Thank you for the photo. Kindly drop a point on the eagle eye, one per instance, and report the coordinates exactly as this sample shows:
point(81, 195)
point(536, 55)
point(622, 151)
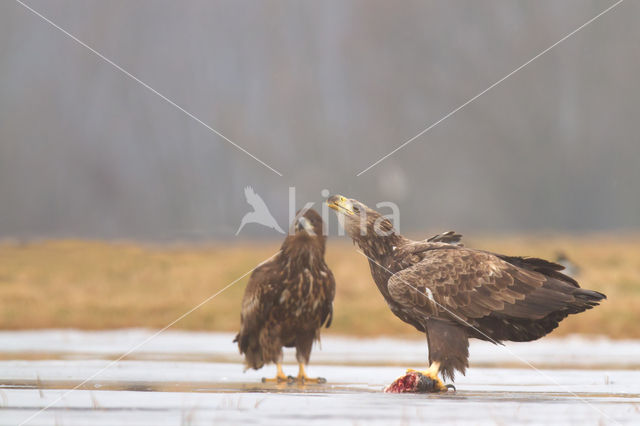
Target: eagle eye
point(356, 209)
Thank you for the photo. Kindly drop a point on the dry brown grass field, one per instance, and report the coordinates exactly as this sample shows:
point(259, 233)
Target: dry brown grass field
point(99, 285)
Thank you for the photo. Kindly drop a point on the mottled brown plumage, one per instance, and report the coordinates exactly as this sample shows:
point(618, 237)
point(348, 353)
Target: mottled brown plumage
point(453, 293)
point(289, 298)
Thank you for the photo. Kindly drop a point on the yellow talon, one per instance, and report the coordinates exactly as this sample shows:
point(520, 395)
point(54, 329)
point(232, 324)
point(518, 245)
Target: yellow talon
point(416, 381)
point(280, 376)
point(303, 378)
point(432, 373)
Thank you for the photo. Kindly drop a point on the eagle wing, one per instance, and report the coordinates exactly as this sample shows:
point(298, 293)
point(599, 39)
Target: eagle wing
point(261, 294)
point(330, 288)
point(463, 284)
point(449, 237)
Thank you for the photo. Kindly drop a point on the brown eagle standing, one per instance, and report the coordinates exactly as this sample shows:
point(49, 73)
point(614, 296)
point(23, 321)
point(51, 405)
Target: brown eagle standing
point(452, 293)
point(288, 299)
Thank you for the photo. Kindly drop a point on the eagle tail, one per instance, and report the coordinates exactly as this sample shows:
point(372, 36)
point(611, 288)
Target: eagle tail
point(249, 346)
point(585, 299)
point(501, 327)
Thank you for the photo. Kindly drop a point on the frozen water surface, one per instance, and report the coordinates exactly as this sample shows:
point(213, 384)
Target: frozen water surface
point(184, 378)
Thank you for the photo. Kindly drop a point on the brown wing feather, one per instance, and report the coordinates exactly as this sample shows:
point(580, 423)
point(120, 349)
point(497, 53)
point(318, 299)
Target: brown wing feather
point(461, 282)
point(329, 284)
point(467, 285)
point(449, 237)
point(261, 294)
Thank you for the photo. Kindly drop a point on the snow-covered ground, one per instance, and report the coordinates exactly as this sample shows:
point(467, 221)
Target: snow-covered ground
point(181, 378)
point(549, 352)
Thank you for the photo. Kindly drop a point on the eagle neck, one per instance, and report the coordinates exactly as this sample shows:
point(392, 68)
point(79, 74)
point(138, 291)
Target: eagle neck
point(378, 246)
point(298, 256)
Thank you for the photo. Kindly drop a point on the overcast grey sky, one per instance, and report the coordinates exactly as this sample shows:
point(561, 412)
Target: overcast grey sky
point(319, 91)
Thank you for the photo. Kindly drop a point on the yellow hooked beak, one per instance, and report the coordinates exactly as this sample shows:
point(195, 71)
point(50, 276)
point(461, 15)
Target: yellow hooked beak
point(341, 204)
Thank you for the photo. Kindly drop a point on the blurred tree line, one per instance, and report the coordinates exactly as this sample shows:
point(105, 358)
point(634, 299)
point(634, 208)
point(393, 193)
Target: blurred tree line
point(319, 91)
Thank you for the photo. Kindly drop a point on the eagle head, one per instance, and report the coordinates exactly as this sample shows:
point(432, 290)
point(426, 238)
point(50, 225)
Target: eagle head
point(360, 220)
point(305, 234)
point(307, 223)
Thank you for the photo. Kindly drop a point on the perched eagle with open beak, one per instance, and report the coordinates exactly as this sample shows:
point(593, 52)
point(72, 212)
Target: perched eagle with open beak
point(453, 293)
point(288, 299)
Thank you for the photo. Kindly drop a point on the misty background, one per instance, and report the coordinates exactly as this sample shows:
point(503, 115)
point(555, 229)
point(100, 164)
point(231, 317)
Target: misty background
point(318, 91)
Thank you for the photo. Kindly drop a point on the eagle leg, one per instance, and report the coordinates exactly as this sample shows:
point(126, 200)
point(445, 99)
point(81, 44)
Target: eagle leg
point(280, 376)
point(303, 378)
